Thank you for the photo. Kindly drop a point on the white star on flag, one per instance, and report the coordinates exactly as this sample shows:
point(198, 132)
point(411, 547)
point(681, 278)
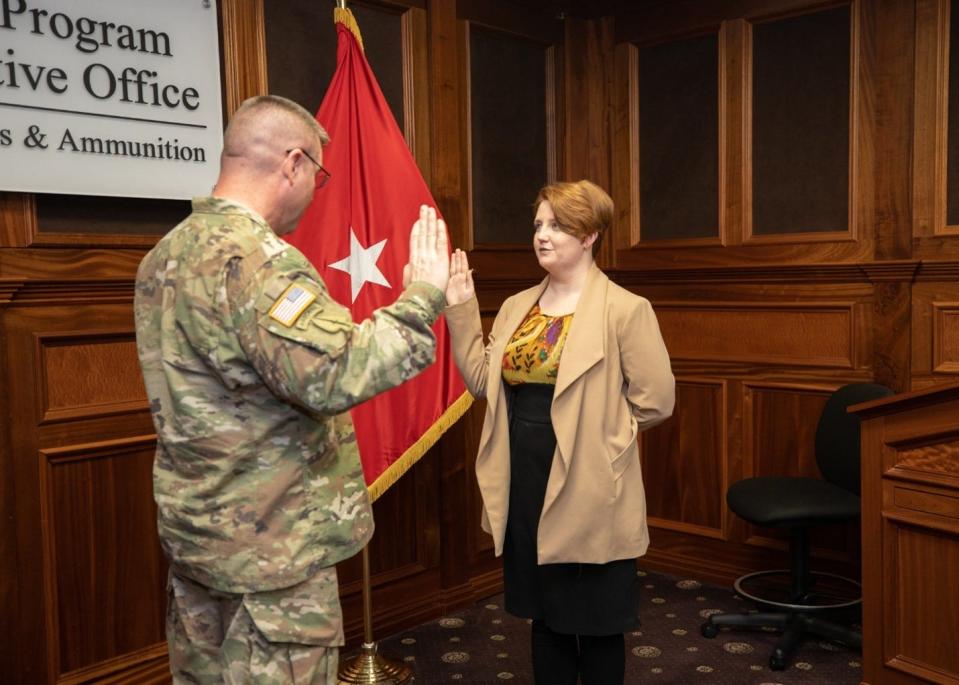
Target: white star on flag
point(361, 264)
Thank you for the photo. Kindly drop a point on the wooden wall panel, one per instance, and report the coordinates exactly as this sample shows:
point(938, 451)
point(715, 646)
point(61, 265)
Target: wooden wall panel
point(685, 461)
point(89, 576)
point(782, 333)
point(85, 375)
point(935, 326)
point(945, 337)
point(780, 428)
point(104, 574)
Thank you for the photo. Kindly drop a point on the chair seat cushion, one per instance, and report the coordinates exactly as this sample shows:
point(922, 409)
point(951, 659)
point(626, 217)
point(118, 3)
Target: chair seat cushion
point(787, 501)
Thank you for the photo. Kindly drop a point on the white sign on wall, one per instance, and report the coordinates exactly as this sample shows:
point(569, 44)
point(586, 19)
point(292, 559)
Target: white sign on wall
point(114, 97)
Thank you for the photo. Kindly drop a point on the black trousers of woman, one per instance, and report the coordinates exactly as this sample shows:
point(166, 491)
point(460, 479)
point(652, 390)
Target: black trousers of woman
point(561, 659)
point(579, 611)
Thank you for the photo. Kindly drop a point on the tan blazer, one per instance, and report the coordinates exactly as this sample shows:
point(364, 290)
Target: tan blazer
point(614, 380)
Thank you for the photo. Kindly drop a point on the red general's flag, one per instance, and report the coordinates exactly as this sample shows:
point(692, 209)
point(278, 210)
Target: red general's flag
point(356, 233)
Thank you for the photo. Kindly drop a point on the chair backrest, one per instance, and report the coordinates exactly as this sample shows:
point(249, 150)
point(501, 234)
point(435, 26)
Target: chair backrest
point(837, 435)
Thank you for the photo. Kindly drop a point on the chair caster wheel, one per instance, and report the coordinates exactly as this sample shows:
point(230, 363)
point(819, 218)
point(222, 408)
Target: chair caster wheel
point(777, 663)
point(709, 630)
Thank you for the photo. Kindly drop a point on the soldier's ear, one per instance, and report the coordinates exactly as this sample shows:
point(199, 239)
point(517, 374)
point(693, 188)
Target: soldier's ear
point(288, 167)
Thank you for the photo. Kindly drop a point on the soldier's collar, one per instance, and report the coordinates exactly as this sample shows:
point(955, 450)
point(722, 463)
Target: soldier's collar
point(223, 205)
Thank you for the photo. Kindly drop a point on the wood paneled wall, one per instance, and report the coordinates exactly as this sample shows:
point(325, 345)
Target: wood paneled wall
point(761, 327)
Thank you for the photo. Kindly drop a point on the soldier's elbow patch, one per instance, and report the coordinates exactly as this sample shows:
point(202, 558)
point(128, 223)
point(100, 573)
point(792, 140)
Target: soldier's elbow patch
point(291, 304)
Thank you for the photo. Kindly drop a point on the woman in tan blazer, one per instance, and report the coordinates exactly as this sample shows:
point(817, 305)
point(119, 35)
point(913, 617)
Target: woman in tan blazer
point(573, 369)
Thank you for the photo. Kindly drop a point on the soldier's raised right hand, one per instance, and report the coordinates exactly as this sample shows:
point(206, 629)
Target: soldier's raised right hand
point(429, 251)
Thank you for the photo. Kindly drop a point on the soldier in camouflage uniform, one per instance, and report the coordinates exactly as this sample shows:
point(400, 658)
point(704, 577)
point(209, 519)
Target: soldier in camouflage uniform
point(250, 368)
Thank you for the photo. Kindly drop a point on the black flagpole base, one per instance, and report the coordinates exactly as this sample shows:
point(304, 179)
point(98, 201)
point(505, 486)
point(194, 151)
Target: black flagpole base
point(368, 667)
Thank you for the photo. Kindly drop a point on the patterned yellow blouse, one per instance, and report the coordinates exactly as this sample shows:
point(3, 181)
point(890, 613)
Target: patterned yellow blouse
point(532, 354)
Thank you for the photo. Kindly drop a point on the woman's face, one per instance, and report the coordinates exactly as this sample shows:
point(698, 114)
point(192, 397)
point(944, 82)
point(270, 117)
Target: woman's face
point(556, 249)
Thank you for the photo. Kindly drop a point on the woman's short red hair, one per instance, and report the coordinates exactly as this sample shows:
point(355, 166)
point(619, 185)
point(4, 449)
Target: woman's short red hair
point(581, 207)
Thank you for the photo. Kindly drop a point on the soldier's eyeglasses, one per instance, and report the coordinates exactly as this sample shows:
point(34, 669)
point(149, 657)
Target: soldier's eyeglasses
point(322, 175)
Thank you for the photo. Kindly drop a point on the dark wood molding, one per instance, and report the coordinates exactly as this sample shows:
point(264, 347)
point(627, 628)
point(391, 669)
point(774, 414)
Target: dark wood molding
point(244, 51)
point(735, 158)
point(416, 97)
point(854, 272)
point(508, 17)
point(150, 665)
point(449, 160)
point(624, 148)
point(666, 21)
point(887, 73)
point(938, 271)
point(9, 287)
point(18, 219)
point(75, 263)
point(930, 124)
point(91, 240)
point(901, 271)
point(58, 292)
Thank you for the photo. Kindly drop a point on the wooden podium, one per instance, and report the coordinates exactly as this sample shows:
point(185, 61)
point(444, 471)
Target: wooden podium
point(910, 537)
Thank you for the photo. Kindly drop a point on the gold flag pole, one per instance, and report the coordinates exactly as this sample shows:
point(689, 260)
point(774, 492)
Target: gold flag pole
point(368, 666)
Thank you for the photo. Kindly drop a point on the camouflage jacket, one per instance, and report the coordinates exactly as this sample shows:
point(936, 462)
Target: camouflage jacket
point(250, 367)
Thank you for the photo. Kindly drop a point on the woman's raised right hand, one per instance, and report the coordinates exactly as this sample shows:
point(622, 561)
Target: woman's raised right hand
point(460, 287)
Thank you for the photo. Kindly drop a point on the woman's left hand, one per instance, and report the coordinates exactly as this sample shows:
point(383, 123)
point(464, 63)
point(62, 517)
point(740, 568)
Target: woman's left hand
point(460, 287)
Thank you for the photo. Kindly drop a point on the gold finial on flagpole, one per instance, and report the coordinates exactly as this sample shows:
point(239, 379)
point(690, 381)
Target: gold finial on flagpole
point(343, 15)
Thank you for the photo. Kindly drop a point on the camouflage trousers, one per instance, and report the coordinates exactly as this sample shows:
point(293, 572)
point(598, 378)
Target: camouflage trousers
point(280, 637)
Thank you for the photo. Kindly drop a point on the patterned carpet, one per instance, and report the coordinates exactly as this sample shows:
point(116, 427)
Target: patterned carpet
point(483, 645)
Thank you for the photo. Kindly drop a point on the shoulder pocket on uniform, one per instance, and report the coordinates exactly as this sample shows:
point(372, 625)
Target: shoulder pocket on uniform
point(323, 324)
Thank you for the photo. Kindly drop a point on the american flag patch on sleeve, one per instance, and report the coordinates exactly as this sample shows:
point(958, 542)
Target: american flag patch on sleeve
point(290, 305)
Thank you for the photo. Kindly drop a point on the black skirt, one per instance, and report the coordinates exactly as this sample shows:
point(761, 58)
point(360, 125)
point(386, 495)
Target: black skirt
point(581, 599)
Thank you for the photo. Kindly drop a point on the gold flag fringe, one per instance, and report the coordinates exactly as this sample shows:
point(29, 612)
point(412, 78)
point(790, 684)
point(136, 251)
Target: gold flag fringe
point(418, 448)
point(345, 17)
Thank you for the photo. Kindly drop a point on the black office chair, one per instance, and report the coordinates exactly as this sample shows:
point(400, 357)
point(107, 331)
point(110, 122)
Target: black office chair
point(798, 504)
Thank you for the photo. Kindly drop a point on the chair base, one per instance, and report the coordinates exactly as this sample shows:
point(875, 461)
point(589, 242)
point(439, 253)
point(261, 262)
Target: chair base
point(794, 625)
point(796, 618)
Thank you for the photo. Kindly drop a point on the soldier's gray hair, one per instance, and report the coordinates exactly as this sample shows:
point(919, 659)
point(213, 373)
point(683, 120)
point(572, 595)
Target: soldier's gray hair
point(270, 116)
